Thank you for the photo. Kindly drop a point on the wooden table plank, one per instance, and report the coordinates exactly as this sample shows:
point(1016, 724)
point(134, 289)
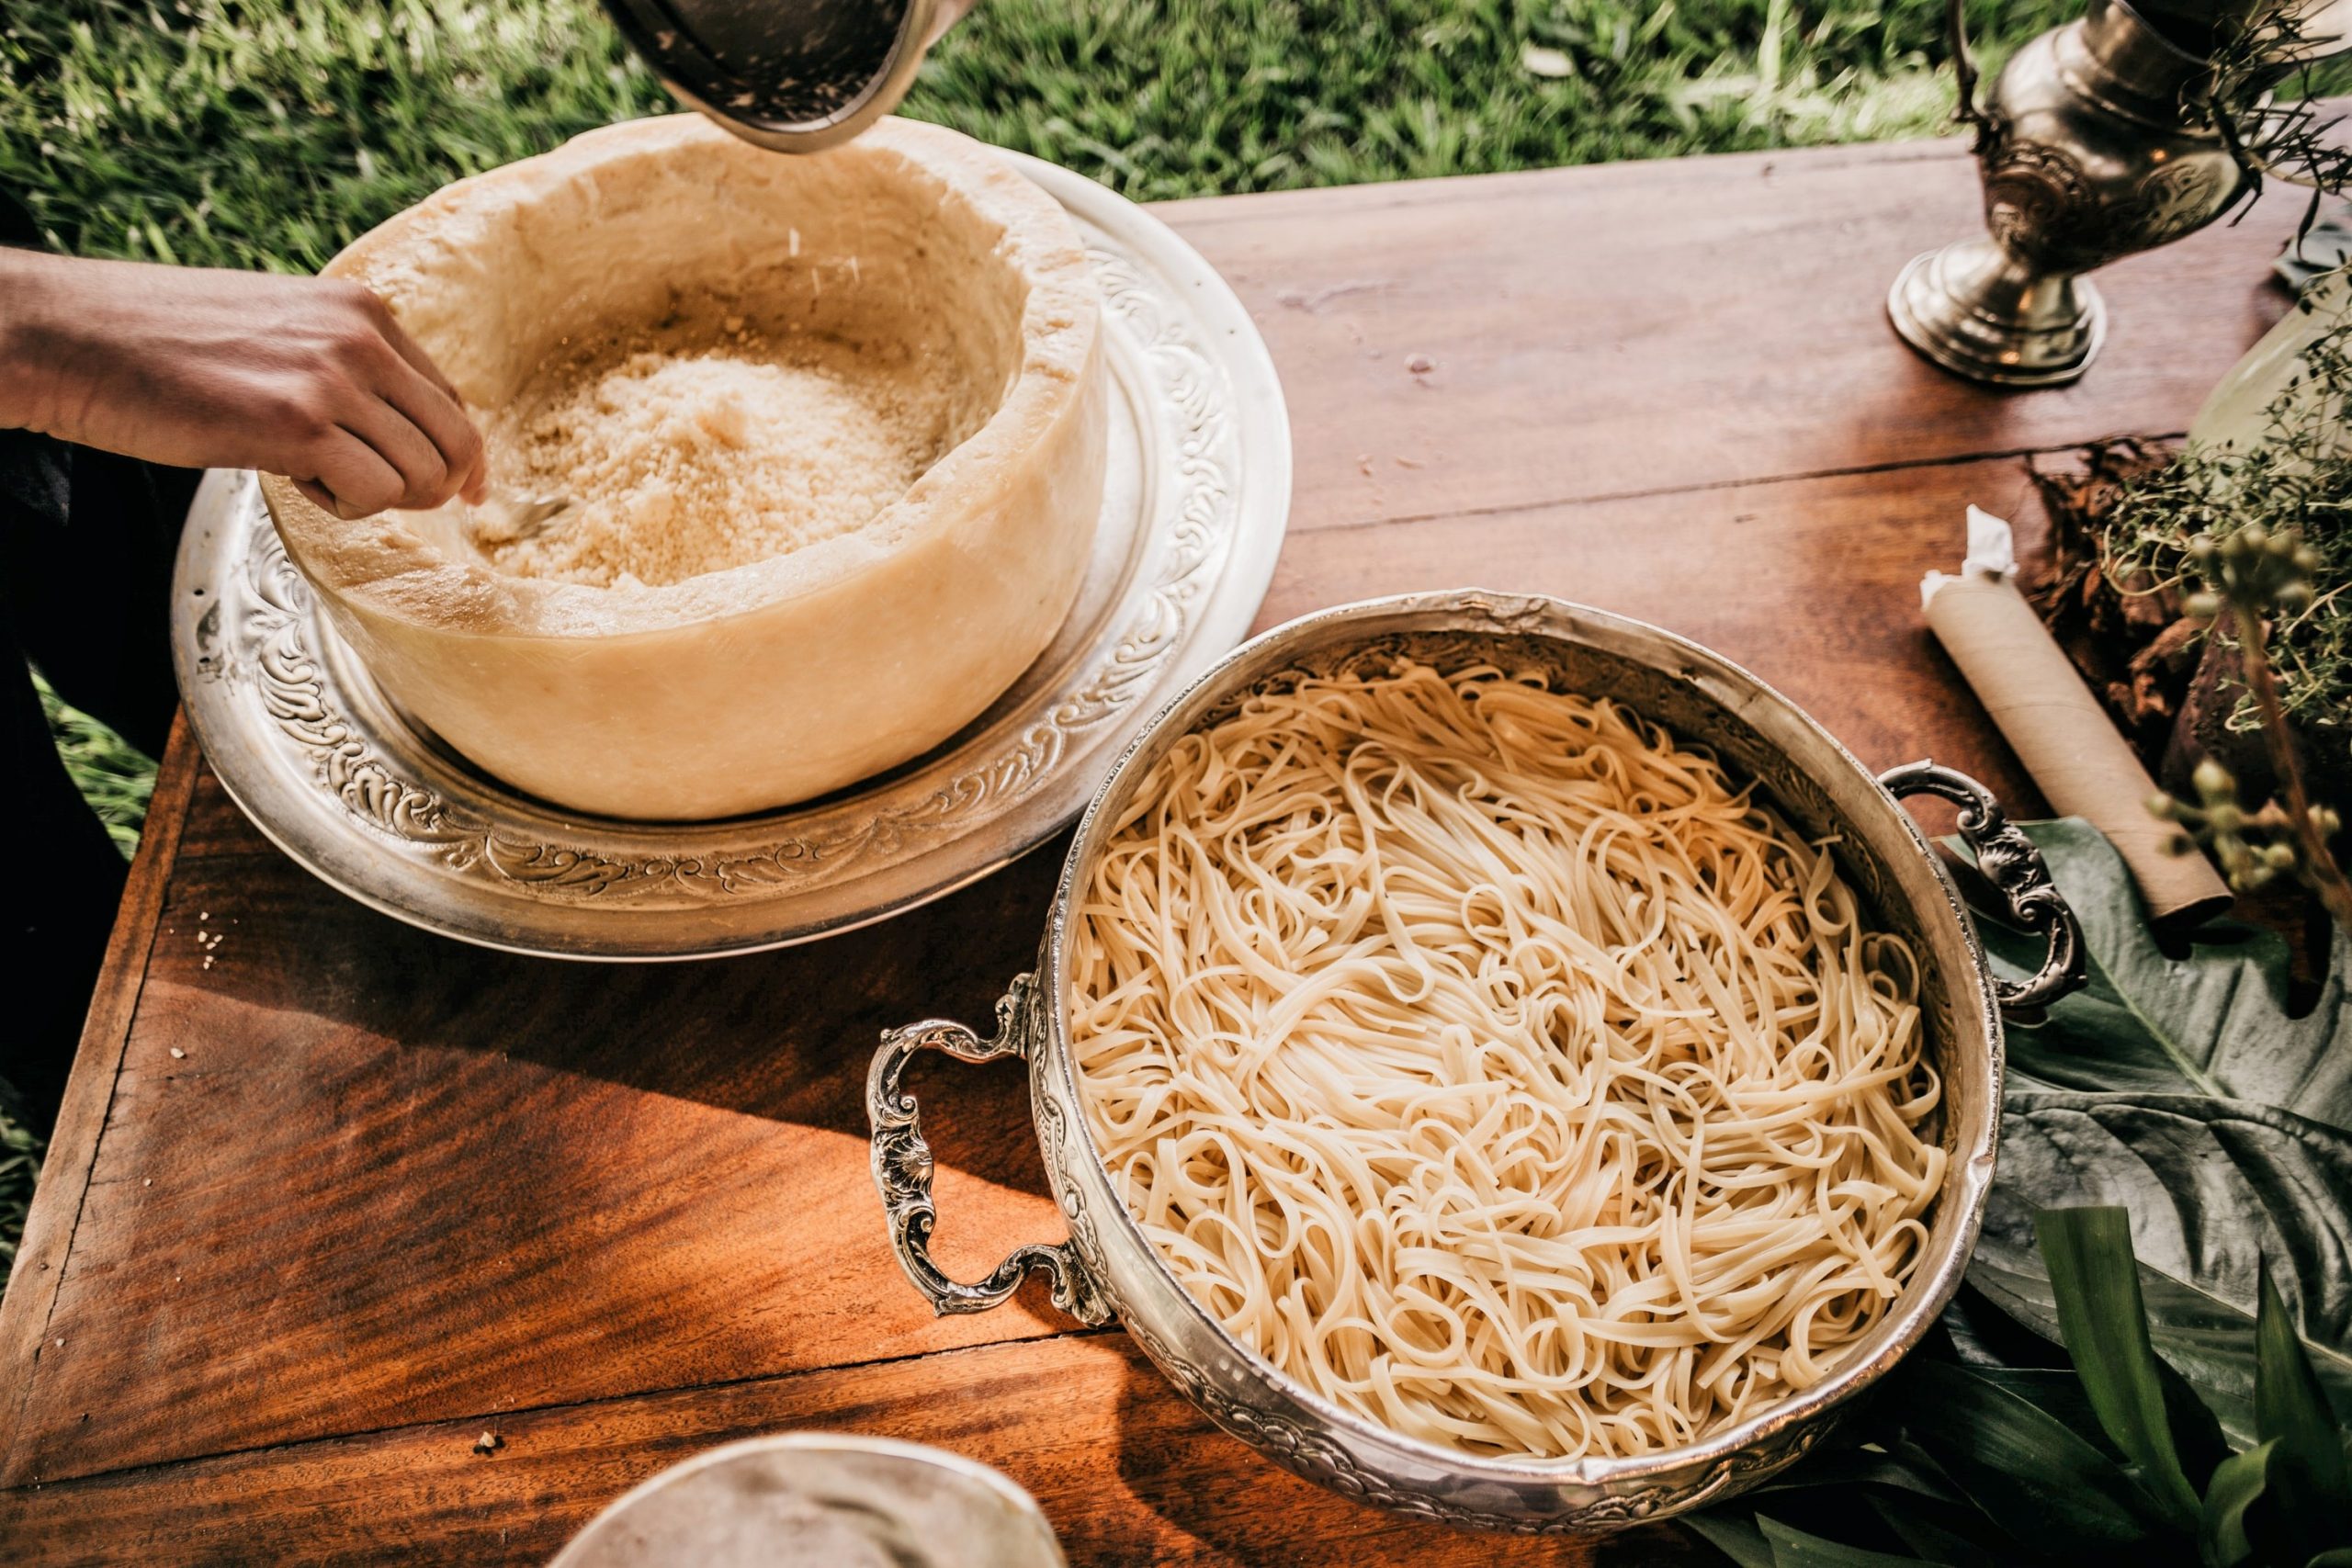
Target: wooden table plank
point(599, 1174)
point(1813, 584)
point(1127, 1471)
point(400, 1188)
point(394, 1178)
point(1647, 326)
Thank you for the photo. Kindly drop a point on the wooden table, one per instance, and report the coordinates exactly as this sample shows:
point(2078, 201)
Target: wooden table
point(330, 1199)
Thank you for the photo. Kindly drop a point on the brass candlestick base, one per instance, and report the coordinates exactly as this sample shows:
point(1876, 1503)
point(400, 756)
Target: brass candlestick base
point(1980, 313)
point(2090, 147)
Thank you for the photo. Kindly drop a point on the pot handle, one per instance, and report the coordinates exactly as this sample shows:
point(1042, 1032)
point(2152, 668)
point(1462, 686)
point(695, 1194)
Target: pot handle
point(903, 1168)
point(2011, 864)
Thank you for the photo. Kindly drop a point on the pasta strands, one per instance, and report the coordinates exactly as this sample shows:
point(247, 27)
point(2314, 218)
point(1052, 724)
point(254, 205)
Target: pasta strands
point(1491, 1065)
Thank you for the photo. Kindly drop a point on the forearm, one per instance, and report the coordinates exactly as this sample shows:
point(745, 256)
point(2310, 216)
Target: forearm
point(202, 368)
point(35, 350)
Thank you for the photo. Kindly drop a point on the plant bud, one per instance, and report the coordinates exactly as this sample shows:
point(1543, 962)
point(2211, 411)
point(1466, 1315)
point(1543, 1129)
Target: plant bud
point(2295, 596)
point(2252, 538)
point(2201, 606)
point(2213, 781)
point(2278, 857)
point(2224, 817)
point(2200, 549)
point(2177, 845)
point(2163, 808)
point(2285, 543)
point(2306, 560)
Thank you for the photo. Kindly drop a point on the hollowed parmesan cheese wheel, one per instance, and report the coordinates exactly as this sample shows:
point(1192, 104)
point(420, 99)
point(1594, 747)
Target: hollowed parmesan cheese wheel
point(833, 429)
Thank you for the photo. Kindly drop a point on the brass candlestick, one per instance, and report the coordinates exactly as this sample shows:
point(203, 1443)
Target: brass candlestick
point(2091, 148)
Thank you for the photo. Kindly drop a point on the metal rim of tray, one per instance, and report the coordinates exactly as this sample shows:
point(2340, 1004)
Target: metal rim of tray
point(336, 776)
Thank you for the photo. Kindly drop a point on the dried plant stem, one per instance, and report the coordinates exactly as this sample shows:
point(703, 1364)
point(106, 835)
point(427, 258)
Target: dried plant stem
point(2324, 876)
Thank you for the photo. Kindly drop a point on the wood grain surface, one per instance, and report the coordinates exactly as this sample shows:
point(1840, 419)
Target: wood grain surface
point(1126, 1469)
point(332, 1196)
point(1473, 346)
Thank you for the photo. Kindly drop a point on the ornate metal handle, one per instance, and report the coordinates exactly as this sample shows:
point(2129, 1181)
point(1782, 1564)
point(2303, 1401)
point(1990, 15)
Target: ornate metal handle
point(903, 1168)
point(1965, 109)
point(2011, 864)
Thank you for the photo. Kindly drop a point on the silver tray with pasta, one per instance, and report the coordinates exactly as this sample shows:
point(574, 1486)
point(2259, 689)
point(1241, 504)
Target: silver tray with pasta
point(1196, 496)
point(1503, 1062)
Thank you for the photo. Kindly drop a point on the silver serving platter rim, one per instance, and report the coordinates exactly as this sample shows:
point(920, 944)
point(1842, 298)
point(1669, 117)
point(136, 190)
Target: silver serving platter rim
point(357, 794)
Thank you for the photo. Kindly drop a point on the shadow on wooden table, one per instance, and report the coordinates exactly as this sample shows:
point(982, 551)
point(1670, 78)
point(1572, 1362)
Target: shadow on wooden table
point(431, 1181)
point(386, 1013)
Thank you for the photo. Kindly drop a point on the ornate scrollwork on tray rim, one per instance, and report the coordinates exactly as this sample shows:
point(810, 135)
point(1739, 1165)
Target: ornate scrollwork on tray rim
point(277, 645)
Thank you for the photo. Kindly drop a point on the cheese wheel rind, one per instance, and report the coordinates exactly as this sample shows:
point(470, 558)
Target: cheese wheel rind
point(767, 683)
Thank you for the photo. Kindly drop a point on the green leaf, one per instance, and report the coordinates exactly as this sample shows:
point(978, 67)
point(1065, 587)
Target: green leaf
point(2056, 1392)
point(1843, 1467)
point(2290, 1408)
point(2196, 1433)
point(1982, 1335)
point(1794, 1549)
point(2024, 1467)
point(2088, 1254)
point(2214, 1023)
point(2215, 1189)
point(2213, 1186)
point(2240, 1480)
point(2196, 1430)
point(1934, 1541)
point(1736, 1538)
point(2307, 1504)
point(2145, 1093)
point(2207, 1339)
point(2147, 1090)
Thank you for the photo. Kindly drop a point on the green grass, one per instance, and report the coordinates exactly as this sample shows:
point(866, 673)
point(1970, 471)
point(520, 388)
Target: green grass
point(116, 779)
point(266, 133)
point(19, 1164)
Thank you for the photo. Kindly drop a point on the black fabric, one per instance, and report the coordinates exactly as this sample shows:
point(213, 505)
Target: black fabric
point(17, 226)
point(35, 474)
point(86, 541)
point(89, 599)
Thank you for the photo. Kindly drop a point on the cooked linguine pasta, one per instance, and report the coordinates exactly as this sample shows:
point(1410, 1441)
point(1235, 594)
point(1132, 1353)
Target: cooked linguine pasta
point(1494, 1068)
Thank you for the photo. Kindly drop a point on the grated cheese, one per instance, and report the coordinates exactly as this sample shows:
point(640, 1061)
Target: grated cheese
point(688, 452)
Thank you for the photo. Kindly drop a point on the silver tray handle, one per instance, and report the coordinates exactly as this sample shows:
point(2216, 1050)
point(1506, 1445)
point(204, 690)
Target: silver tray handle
point(2012, 864)
point(903, 1168)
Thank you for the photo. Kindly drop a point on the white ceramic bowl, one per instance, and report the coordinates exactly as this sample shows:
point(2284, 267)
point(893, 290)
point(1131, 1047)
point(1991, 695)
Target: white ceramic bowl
point(820, 1500)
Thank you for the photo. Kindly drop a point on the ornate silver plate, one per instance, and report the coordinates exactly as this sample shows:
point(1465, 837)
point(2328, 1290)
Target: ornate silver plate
point(1194, 513)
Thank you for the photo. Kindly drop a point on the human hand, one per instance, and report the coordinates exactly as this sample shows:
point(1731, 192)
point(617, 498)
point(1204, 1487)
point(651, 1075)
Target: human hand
point(308, 378)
